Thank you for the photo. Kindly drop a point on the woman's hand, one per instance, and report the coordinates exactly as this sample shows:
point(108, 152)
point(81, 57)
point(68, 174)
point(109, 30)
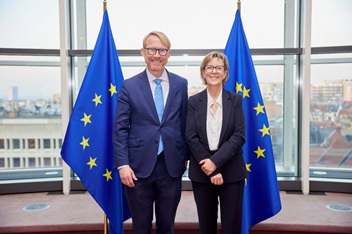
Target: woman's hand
point(217, 179)
point(208, 167)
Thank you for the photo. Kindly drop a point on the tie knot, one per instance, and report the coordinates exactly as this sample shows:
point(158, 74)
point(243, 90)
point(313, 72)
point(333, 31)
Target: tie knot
point(157, 81)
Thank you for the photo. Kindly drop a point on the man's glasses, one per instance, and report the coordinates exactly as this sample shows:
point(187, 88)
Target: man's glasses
point(152, 51)
point(210, 68)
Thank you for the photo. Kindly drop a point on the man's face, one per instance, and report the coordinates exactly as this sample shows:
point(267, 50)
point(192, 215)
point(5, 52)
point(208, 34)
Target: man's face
point(155, 63)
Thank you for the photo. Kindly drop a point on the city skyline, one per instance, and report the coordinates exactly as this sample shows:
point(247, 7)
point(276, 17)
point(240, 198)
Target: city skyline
point(199, 85)
point(327, 93)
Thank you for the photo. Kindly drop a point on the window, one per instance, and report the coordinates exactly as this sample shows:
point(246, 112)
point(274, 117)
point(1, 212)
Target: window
point(268, 23)
point(2, 144)
point(15, 143)
point(47, 162)
point(330, 116)
point(46, 143)
point(16, 162)
point(31, 143)
point(23, 15)
point(331, 30)
point(31, 162)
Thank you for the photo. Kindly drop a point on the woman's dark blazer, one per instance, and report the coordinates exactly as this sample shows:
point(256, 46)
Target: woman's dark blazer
point(228, 158)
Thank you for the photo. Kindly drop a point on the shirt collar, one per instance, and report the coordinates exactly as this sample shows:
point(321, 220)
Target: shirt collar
point(218, 100)
point(163, 77)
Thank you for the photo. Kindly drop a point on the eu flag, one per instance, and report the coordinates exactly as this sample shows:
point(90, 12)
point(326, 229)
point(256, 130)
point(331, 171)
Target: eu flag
point(88, 146)
point(261, 193)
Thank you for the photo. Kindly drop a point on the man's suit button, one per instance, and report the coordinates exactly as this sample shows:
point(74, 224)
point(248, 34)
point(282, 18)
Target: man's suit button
point(156, 142)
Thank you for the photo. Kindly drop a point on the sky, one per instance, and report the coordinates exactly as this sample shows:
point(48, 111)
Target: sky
point(190, 24)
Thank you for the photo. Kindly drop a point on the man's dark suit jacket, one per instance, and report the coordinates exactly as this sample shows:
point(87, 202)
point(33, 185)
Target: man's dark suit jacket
point(228, 158)
point(137, 127)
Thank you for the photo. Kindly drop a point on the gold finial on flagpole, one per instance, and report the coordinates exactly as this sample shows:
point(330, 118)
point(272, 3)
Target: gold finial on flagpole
point(239, 5)
point(105, 5)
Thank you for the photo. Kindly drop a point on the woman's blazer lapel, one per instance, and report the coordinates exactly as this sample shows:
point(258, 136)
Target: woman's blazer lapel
point(226, 113)
point(202, 114)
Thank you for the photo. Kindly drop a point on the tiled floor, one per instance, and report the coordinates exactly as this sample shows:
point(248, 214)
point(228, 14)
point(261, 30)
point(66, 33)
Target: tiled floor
point(299, 212)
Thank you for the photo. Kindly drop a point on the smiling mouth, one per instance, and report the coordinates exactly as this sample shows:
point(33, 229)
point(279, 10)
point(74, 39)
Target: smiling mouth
point(156, 62)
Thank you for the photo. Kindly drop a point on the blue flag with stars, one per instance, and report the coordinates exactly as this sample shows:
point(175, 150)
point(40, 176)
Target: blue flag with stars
point(261, 194)
point(88, 146)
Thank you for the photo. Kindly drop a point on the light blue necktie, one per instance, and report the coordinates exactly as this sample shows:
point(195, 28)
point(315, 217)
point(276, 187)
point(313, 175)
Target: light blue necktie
point(159, 104)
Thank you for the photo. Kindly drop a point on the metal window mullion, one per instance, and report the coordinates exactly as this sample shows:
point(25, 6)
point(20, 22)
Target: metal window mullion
point(65, 82)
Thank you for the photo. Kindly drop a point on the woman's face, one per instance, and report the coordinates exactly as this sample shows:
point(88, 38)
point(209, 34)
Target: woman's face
point(214, 72)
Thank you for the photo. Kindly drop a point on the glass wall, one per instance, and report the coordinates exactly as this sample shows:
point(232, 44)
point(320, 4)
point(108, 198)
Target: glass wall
point(30, 117)
point(331, 116)
point(29, 24)
point(30, 91)
point(331, 90)
point(330, 23)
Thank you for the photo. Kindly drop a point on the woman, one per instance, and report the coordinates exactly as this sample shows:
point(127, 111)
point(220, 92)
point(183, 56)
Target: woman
point(215, 130)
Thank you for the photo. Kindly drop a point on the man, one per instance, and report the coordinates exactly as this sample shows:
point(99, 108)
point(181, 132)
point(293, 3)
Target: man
point(149, 139)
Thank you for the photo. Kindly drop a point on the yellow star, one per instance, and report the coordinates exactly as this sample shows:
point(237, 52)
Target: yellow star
point(84, 142)
point(97, 99)
point(112, 89)
point(92, 163)
point(245, 92)
point(248, 167)
point(259, 108)
point(238, 87)
point(260, 152)
point(86, 119)
point(264, 130)
point(108, 175)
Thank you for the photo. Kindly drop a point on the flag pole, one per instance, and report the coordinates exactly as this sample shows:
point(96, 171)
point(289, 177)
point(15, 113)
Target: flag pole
point(239, 5)
point(105, 224)
point(105, 217)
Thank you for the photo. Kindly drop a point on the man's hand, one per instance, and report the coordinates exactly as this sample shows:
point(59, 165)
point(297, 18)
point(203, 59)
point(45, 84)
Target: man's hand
point(208, 166)
point(217, 179)
point(127, 176)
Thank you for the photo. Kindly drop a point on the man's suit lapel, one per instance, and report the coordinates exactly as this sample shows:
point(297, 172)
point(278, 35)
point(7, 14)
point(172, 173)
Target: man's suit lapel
point(171, 96)
point(148, 95)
